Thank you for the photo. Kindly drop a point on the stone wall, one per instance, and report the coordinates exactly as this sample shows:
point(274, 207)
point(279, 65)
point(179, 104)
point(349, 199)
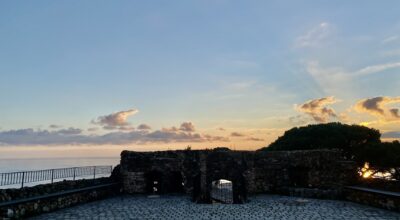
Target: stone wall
point(27, 207)
point(251, 172)
point(385, 200)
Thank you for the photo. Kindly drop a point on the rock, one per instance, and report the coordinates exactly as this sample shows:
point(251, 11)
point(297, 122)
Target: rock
point(10, 213)
point(22, 212)
point(46, 209)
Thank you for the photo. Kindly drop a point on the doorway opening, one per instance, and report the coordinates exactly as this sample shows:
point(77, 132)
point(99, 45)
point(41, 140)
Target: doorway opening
point(222, 191)
point(176, 184)
point(153, 182)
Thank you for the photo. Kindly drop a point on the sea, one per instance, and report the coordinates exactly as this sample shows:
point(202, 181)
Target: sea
point(28, 164)
point(32, 164)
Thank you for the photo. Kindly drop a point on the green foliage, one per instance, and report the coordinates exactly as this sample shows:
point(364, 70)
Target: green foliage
point(382, 157)
point(358, 142)
point(325, 136)
point(221, 149)
point(380, 154)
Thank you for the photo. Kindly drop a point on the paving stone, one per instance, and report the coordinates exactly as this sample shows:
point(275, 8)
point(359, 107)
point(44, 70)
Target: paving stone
point(180, 207)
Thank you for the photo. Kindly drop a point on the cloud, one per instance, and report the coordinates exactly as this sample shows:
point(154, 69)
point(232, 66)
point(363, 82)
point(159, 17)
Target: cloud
point(171, 129)
point(377, 107)
point(376, 68)
point(30, 136)
point(391, 134)
point(298, 120)
point(92, 129)
point(187, 127)
point(237, 134)
point(317, 109)
point(315, 36)
point(331, 79)
point(74, 136)
point(391, 39)
point(395, 112)
point(144, 127)
point(179, 136)
point(314, 69)
point(116, 121)
point(69, 131)
point(55, 126)
point(254, 139)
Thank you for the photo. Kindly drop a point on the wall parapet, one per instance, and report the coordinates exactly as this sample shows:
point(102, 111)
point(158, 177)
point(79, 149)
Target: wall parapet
point(29, 201)
point(373, 197)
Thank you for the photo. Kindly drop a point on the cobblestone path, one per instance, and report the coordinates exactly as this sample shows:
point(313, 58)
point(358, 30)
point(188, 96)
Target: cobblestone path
point(180, 207)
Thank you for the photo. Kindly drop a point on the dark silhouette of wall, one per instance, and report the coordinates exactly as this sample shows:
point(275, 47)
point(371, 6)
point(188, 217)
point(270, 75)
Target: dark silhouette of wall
point(251, 172)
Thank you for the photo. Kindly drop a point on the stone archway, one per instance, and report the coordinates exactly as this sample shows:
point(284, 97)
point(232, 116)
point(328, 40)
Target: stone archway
point(222, 164)
point(175, 182)
point(222, 191)
point(154, 182)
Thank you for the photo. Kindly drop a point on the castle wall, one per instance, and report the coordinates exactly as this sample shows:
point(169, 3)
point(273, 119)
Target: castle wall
point(251, 172)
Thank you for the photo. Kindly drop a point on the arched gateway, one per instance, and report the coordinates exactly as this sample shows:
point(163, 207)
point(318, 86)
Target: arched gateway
point(226, 176)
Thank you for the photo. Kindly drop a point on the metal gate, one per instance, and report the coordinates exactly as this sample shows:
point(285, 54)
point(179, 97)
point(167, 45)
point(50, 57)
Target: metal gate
point(221, 191)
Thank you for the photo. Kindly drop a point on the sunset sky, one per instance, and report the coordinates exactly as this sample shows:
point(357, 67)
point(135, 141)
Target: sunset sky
point(90, 78)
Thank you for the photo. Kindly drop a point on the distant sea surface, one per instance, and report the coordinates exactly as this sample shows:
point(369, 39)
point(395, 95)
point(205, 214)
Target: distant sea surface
point(12, 165)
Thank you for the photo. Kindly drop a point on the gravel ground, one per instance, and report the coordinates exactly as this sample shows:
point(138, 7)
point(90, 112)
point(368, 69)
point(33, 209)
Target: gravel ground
point(180, 207)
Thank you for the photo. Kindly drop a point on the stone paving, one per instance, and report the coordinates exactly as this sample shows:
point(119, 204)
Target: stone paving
point(180, 207)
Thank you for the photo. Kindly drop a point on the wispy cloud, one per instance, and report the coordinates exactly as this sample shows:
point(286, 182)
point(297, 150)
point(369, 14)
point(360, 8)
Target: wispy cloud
point(298, 120)
point(315, 36)
point(391, 39)
point(330, 79)
point(237, 134)
point(70, 131)
point(255, 139)
point(376, 68)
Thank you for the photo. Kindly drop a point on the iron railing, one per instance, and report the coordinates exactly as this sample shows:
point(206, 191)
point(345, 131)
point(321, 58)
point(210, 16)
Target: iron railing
point(23, 177)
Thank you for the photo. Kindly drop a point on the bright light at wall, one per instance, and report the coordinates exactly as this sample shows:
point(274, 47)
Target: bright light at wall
point(365, 171)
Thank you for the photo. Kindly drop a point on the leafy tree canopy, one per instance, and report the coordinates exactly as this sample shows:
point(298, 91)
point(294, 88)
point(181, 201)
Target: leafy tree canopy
point(360, 143)
point(325, 136)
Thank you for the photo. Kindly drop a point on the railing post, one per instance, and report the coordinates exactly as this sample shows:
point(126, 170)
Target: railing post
point(74, 172)
point(52, 175)
point(23, 178)
point(94, 172)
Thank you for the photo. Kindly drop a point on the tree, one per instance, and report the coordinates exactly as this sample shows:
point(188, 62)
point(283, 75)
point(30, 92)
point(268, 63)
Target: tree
point(358, 142)
point(326, 136)
point(382, 157)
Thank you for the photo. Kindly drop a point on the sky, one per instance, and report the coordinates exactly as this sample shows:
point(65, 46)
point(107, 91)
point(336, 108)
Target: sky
point(91, 78)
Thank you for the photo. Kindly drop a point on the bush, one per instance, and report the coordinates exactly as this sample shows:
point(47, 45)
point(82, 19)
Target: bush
point(326, 136)
point(358, 142)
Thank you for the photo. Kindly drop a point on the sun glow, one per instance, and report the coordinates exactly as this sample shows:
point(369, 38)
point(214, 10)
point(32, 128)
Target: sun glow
point(365, 171)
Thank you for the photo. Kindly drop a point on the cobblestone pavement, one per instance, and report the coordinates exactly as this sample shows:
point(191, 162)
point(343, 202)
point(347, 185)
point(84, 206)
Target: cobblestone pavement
point(180, 207)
